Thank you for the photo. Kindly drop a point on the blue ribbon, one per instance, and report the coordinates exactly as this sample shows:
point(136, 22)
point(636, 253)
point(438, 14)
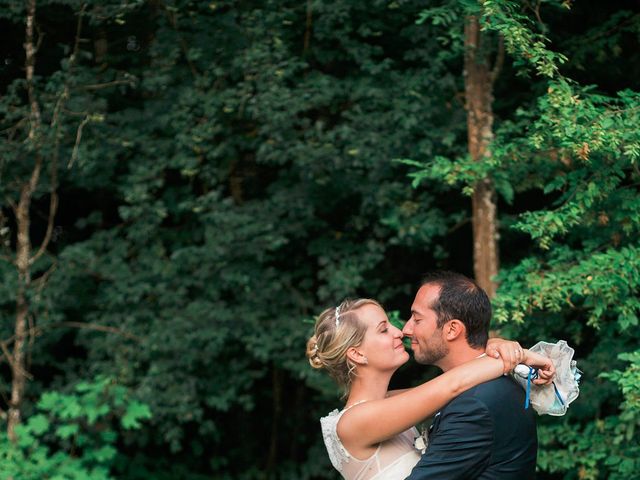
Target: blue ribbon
point(557, 393)
point(532, 375)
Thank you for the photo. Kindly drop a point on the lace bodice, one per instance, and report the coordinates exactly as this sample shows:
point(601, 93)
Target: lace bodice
point(393, 460)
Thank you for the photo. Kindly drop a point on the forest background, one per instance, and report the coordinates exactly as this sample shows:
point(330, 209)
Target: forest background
point(185, 184)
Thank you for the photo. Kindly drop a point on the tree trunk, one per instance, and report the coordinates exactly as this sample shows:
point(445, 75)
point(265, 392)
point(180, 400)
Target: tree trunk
point(479, 78)
point(23, 241)
point(18, 364)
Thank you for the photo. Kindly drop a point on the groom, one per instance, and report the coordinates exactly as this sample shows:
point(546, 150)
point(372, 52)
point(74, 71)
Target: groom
point(484, 433)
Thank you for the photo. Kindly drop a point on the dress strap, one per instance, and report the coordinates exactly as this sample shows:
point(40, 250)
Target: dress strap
point(337, 453)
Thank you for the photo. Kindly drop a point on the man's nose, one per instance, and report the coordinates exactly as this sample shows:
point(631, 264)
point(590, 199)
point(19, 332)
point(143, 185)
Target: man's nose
point(407, 330)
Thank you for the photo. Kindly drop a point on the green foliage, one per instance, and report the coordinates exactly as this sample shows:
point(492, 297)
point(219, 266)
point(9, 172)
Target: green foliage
point(528, 47)
point(603, 284)
point(608, 446)
point(576, 148)
point(72, 436)
point(242, 181)
point(235, 174)
point(629, 382)
point(446, 20)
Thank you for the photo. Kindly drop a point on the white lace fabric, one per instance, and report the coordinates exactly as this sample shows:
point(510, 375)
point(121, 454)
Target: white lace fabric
point(554, 399)
point(393, 459)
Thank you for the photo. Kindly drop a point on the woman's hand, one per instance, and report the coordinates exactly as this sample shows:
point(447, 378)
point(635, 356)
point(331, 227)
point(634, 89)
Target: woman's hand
point(510, 352)
point(546, 368)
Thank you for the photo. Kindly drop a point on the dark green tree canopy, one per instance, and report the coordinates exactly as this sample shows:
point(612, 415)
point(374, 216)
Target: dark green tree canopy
point(223, 171)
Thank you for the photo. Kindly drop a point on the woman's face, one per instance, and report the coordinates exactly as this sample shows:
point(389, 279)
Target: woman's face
point(382, 344)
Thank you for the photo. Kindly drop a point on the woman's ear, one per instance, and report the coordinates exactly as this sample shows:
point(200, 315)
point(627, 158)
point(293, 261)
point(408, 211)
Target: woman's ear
point(356, 356)
point(453, 329)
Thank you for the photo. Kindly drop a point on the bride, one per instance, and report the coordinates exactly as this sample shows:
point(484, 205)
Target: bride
point(372, 437)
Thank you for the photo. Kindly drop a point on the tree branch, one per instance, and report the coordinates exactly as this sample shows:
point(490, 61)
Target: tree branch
point(11, 362)
point(53, 208)
point(74, 154)
point(499, 62)
point(72, 61)
point(100, 86)
point(11, 131)
point(41, 281)
point(458, 225)
point(38, 330)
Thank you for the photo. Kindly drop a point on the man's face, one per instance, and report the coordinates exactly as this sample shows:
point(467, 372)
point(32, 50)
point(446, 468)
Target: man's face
point(427, 342)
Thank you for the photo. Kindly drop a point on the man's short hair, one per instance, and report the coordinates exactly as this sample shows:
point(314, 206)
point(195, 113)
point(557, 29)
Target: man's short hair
point(462, 298)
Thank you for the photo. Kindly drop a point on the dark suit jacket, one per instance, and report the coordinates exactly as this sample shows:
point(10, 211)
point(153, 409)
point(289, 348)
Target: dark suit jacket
point(485, 433)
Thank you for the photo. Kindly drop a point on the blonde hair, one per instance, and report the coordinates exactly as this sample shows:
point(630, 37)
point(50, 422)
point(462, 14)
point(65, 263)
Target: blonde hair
point(337, 330)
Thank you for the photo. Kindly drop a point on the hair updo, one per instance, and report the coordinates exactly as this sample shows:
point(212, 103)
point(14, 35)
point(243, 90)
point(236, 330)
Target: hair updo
point(337, 330)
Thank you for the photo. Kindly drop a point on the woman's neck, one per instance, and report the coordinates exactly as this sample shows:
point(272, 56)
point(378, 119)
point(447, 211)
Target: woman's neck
point(368, 388)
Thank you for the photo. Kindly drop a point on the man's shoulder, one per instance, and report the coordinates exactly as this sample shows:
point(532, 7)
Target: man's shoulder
point(492, 393)
point(497, 385)
point(496, 404)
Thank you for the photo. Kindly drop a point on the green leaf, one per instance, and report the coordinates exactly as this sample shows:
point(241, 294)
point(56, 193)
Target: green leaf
point(66, 431)
point(38, 424)
point(136, 411)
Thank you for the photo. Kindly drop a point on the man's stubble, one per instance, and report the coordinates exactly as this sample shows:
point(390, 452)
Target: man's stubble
point(434, 350)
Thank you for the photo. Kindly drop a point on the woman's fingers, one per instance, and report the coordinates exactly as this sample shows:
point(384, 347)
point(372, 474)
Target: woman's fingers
point(543, 381)
point(546, 375)
point(546, 368)
point(511, 354)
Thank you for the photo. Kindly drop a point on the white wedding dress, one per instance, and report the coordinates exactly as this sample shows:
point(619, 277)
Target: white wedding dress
point(393, 460)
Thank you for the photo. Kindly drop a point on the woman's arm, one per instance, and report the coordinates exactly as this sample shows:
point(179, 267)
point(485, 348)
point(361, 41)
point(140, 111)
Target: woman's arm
point(546, 369)
point(391, 393)
point(509, 351)
point(374, 421)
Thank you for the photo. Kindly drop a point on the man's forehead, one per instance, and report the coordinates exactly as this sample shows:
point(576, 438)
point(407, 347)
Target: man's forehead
point(425, 297)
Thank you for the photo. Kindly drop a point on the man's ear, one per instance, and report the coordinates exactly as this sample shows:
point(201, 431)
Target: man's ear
point(453, 330)
point(356, 356)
